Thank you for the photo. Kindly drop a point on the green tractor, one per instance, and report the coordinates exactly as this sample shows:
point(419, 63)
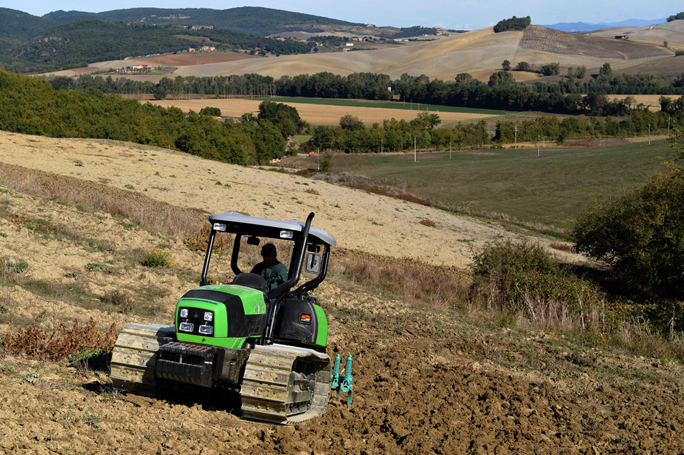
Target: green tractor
point(267, 341)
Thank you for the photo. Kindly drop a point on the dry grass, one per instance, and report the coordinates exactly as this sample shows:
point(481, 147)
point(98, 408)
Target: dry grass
point(64, 342)
point(414, 281)
point(146, 212)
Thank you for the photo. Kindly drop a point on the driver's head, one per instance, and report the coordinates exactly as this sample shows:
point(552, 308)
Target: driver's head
point(268, 252)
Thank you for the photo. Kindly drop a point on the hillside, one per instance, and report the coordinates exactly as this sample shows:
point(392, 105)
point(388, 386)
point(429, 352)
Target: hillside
point(479, 53)
point(17, 26)
point(249, 20)
point(672, 32)
point(427, 377)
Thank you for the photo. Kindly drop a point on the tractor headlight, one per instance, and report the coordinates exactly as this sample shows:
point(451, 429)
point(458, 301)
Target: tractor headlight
point(187, 327)
point(208, 316)
point(184, 312)
point(206, 330)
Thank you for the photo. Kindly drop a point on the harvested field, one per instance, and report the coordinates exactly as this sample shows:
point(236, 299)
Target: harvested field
point(193, 58)
point(554, 41)
point(314, 113)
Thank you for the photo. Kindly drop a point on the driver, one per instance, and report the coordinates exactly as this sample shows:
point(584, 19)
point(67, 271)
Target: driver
point(270, 268)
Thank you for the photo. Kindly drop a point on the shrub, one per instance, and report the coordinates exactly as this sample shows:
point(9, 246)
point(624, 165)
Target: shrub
point(327, 161)
point(521, 278)
point(59, 344)
point(640, 234)
point(157, 258)
point(200, 240)
point(428, 222)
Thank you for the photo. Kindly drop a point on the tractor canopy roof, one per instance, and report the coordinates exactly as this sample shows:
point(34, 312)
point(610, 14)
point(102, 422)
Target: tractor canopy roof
point(265, 227)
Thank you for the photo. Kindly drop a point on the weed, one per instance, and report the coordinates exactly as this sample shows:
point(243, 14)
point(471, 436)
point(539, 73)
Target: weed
point(157, 258)
point(199, 241)
point(427, 222)
point(65, 415)
point(95, 267)
point(78, 163)
point(561, 246)
point(313, 191)
point(61, 343)
point(119, 299)
point(218, 183)
point(11, 266)
point(128, 186)
point(89, 418)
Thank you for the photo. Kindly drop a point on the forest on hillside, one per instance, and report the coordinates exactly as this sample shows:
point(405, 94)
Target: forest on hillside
point(76, 44)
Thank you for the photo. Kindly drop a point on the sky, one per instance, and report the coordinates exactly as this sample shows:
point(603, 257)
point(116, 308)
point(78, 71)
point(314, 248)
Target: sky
point(452, 14)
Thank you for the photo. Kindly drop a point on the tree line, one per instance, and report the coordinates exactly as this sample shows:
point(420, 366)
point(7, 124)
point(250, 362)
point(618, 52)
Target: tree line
point(32, 106)
point(501, 92)
point(352, 136)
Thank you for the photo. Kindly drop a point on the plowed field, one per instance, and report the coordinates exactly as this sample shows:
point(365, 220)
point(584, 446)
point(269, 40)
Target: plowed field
point(427, 379)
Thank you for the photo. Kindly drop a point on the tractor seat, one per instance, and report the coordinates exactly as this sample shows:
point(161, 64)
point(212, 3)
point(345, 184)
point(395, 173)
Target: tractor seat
point(251, 280)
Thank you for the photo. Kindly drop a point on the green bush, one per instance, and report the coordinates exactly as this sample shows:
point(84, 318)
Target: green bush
point(640, 234)
point(157, 258)
point(522, 278)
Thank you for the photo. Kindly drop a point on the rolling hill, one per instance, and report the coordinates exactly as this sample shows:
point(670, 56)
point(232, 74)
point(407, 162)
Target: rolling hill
point(479, 53)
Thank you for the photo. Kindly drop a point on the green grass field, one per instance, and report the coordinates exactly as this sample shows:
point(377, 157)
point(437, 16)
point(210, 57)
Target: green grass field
point(550, 189)
point(383, 105)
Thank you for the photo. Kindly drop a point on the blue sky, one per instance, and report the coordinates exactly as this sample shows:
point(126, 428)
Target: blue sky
point(459, 14)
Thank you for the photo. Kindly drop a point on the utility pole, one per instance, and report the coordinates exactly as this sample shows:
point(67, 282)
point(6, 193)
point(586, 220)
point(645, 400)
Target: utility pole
point(415, 159)
point(449, 150)
point(516, 137)
point(649, 134)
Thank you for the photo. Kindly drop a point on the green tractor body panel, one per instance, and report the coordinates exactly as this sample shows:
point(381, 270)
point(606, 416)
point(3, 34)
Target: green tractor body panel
point(322, 335)
point(220, 315)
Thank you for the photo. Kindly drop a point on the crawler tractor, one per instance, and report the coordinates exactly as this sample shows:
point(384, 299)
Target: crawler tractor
point(266, 341)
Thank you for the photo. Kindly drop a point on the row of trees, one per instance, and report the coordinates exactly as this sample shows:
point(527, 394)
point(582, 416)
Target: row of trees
point(32, 106)
point(352, 136)
point(502, 92)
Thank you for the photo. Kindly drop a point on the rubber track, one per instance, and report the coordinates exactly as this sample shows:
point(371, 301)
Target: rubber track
point(268, 384)
point(134, 357)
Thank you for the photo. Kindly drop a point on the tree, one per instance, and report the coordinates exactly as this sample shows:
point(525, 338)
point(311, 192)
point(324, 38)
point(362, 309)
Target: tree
point(213, 111)
point(506, 65)
point(571, 72)
point(463, 77)
point(581, 72)
point(606, 71)
point(501, 78)
point(351, 122)
point(523, 66)
point(551, 69)
point(514, 23)
point(665, 44)
point(641, 234)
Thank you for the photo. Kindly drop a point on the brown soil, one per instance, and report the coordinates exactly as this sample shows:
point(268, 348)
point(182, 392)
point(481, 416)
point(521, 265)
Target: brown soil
point(425, 380)
point(194, 58)
point(547, 40)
